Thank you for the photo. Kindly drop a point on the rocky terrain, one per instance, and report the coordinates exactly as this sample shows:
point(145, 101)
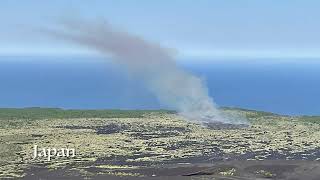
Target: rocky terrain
point(157, 145)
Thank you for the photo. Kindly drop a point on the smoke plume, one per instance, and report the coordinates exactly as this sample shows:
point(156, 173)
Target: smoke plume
point(149, 62)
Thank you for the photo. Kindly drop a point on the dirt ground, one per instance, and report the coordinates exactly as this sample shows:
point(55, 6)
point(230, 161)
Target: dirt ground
point(233, 170)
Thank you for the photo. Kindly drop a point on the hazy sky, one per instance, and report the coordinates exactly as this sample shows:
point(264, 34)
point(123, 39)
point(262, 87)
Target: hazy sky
point(202, 28)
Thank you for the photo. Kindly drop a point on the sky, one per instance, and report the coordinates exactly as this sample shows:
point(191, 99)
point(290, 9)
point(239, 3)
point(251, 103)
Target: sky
point(203, 28)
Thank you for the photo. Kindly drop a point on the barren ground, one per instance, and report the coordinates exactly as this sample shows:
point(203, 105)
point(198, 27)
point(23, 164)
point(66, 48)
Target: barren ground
point(158, 145)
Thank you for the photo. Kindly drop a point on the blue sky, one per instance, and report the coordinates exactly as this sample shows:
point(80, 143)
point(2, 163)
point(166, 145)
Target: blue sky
point(203, 28)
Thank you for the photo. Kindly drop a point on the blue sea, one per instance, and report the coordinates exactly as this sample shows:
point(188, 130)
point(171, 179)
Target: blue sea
point(290, 87)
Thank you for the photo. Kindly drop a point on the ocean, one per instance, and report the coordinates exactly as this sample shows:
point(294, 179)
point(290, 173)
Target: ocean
point(91, 83)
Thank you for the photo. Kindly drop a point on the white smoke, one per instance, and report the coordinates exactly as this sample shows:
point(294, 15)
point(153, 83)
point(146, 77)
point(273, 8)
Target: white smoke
point(150, 62)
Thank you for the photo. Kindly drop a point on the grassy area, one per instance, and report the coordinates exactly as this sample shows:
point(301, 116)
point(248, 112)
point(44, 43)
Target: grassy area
point(250, 113)
point(310, 119)
point(56, 113)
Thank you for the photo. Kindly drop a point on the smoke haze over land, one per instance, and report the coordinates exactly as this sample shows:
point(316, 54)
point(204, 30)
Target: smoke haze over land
point(150, 62)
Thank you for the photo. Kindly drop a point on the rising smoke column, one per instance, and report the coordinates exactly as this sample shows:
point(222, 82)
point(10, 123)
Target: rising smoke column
point(150, 62)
